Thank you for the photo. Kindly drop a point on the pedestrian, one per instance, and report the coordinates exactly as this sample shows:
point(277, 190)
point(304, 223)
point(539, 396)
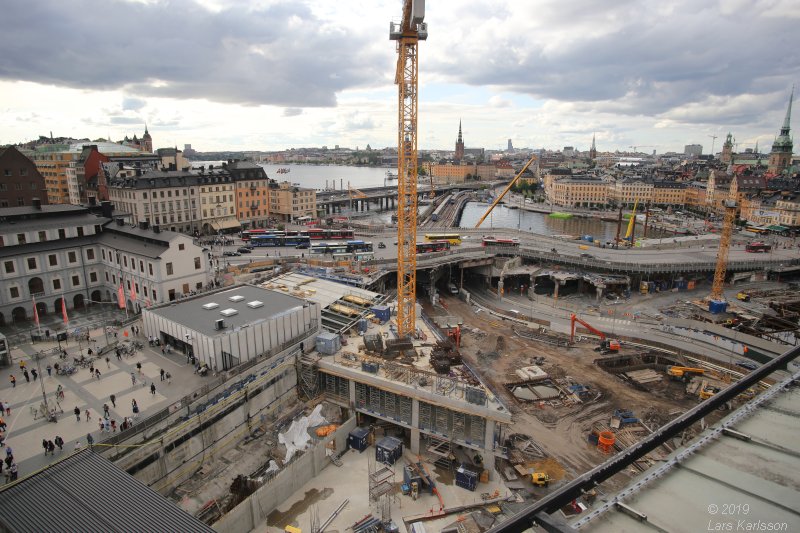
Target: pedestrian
point(88, 415)
point(102, 425)
point(89, 439)
point(78, 445)
point(77, 413)
point(35, 374)
point(13, 381)
point(135, 410)
point(27, 376)
point(163, 351)
point(13, 472)
point(169, 378)
point(119, 354)
point(60, 392)
point(106, 425)
point(133, 379)
point(113, 426)
point(105, 409)
point(21, 365)
point(162, 374)
point(49, 370)
point(2, 424)
point(108, 362)
point(89, 352)
point(44, 445)
point(60, 443)
point(113, 400)
point(51, 447)
point(97, 373)
point(139, 368)
point(124, 425)
point(153, 389)
point(91, 370)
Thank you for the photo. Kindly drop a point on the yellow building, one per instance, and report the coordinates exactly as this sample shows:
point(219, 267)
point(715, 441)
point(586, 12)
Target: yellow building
point(217, 201)
point(629, 191)
point(445, 174)
point(578, 191)
point(696, 194)
point(288, 202)
point(789, 212)
point(668, 193)
point(252, 186)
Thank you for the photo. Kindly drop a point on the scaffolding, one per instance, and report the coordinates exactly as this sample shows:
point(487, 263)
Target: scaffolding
point(381, 485)
point(307, 375)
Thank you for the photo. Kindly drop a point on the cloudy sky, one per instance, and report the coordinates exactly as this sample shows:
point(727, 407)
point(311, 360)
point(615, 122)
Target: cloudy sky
point(269, 75)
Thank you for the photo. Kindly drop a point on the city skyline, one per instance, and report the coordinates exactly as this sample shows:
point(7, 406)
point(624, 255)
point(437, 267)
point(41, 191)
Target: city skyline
point(277, 75)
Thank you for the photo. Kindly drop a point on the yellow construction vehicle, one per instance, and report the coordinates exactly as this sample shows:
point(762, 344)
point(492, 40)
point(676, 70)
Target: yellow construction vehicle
point(684, 373)
point(743, 296)
point(708, 392)
point(540, 479)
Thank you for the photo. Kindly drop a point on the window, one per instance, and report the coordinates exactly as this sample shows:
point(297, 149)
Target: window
point(62, 234)
point(42, 236)
point(93, 277)
point(155, 295)
point(125, 261)
point(141, 266)
point(80, 231)
point(71, 257)
point(106, 276)
point(23, 172)
point(98, 229)
point(75, 281)
point(169, 269)
point(21, 238)
point(197, 263)
point(14, 291)
point(9, 267)
point(144, 195)
point(53, 260)
point(150, 268)
point(7, 172)
point(56, 284)
point(181, 246)
point(32, 263)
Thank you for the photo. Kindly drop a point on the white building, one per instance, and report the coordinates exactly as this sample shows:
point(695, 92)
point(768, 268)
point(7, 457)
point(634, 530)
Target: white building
point(234, 325)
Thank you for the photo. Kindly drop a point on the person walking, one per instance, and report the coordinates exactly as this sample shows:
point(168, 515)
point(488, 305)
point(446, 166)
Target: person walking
point(88, 415)
point(60, 443)
point(169, 378)
point(139, 368)
point(105, 410)
point(27, 376)
point(35, 374)
point(153, 389)
point(44, 445)
point(135, 409)
point(113, 426)
point(91, 370)
point(13, 381)
point(97, 373)
point(113, 400)
point(13, 472)
point(133, 379)
point(51, 447)
point(108, 362)
point(77, 413)
point(7, 408)
point(49, 370)
point(162, 374)
point(21, 365)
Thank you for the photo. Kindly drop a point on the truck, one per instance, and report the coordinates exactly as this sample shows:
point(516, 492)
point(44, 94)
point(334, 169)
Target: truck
point(540, 479)
point(743, 297)
point(684, 373)
point(452, 288)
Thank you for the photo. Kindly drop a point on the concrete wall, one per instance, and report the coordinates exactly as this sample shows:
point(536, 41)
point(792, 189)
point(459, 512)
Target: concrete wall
point(255, 509)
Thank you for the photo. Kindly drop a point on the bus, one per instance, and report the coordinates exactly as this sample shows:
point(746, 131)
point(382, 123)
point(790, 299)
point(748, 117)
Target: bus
point(757, 247)
point(315, 233)
point(492, 241)
point(248, 234)
point(359, 246)
point(433, 246)
point(266, 240)
point(339, 234)
point(330, 248)
point(452, 238)
point(296, 240)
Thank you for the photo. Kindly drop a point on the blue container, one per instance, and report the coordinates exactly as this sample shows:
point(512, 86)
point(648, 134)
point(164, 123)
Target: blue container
point(717, 306)
point(587, 238)
point(372, 368)
point(358, 439)
point(388, 450)
point(466, 479)
point(382, 312)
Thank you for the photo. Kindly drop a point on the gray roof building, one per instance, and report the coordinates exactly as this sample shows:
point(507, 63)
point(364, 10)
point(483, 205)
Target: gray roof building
point(86, 492)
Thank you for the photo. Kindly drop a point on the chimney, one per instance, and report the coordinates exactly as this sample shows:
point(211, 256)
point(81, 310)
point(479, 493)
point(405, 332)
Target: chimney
point(173, 166)
point(92, 201)
point(156, 229)
point(120, 222)
point(107, 208)
point(37, 204)
point(143, 224)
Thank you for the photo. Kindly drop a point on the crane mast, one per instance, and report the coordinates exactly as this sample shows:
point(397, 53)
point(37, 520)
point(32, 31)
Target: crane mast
point(407, 34)
point(722, 254)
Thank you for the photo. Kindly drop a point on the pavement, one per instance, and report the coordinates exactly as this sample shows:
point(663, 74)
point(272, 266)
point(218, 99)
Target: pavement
point(26, 430)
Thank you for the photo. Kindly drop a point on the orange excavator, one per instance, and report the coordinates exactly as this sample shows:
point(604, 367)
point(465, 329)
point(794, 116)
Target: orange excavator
point(606, 345)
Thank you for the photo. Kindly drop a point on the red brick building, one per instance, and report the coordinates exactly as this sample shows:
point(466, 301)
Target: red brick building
point(20, 180)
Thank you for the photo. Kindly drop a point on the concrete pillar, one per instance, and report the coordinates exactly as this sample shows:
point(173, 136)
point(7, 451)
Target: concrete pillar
point(488, 448)
point(531, 293)
point(555, 291)
point(352, 386)
point(367, 203)
point(500, 288)
point(598, 294)
point(415, 426)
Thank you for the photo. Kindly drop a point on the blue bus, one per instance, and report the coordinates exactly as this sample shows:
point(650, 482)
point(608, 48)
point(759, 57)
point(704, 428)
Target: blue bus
point(359, 246)
point(266, 240)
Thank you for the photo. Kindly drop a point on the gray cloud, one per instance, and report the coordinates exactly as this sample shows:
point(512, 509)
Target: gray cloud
point(292, 112)
point(132, 104)
point(280, 54)
point(125, 120)
point(635, 58)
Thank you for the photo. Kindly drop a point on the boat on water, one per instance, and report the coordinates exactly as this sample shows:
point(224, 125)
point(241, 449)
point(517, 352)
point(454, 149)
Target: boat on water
point(390, 175)
point(560, 215)
point(283, 170)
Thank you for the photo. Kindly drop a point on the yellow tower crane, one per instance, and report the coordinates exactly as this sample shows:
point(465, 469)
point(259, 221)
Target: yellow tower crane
point(716, 302)
point(407, 33)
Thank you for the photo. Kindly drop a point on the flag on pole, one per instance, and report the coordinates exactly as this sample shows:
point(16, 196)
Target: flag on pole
point(35, 313)
point(121, 296)
point(64, 312)
point(133, 291)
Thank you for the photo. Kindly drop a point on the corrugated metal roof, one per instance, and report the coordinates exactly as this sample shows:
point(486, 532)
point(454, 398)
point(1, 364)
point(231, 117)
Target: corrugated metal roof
point(86, 492)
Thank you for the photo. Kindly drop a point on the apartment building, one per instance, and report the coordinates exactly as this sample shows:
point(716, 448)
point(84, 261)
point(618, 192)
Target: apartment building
point(20, 181)
point(579, 191)
point(55, 253)
point(288, 202)
point(251, 186)
point(444, 174)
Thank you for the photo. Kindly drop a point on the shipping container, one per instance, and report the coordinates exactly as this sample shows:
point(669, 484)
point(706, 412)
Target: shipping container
point(388, 450)
point(358, 439)
point(372, 368)
point(717, 306)
point(328, 343)
point(382, 312)
point(466, 479)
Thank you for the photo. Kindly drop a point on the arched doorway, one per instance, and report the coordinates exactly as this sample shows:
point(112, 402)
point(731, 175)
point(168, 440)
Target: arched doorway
point(131, 307)
point(57, 306)
point(78, 301)
point(2, 320)
point(18, 314)
point(36, 286)
point(108, 296)
point(41, 309)
point(97, 296)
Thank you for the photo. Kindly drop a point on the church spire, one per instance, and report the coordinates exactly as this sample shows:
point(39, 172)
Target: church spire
point(593, 145)
point(460, 138)
point(787, 121)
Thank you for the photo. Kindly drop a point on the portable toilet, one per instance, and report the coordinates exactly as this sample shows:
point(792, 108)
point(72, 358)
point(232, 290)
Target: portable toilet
point(388, 450)
point(328, 343)
point(466, 479)
point(358, 439)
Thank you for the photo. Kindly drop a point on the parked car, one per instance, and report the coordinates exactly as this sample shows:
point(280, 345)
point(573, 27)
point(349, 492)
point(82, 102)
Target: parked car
point(749, 365)
point(303, 246)
point(381, 245)
point(587, 256)
point(244, 250)
point(231, 254)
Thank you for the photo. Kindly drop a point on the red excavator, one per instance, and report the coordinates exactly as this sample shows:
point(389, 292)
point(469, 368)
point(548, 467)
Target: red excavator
point(606, 345)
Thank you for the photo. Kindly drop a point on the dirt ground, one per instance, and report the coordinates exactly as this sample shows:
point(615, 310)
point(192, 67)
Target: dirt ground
point(560, 431)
